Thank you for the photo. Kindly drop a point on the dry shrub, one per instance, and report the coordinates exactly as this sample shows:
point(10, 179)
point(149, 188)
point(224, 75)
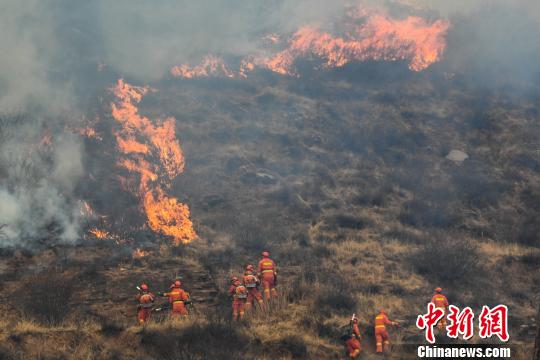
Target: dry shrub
point(45, 297)
point(448, 257)
point(289, 347)
point(199, 339)
point(420, 213)
point(335, 298)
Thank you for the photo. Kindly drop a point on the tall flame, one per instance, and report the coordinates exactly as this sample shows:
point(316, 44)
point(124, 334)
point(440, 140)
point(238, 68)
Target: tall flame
point(140, 142)
point(378, 37)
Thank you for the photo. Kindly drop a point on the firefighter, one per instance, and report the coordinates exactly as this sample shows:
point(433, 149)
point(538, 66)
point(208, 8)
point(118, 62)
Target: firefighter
point(239, 294)
point(440, 301)
point(381, 334)
point(146, 301)
point(251, 282)
point(178, 298)
point(268, 274)
point(353, 338)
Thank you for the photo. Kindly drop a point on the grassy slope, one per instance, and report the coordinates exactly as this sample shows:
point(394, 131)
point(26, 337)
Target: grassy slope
point(360, 209)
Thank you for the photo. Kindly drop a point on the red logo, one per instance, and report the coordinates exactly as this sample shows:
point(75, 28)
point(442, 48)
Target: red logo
point(494, 322)
point(461, 322)
point(429, 321)
point(491, 322)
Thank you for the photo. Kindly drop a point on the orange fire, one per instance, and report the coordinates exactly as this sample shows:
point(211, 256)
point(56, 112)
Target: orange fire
point(140, 142)
point(99, 233)
point(210, 66)
point(139, 253)
point(378, 37)
point(88, 132)
point(46, 140)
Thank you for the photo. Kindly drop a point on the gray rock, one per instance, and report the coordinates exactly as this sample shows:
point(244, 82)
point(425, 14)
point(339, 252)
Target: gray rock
point(457, 156)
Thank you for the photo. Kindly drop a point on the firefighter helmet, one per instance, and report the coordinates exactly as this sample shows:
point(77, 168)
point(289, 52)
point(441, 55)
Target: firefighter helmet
point(438, 290)
point(144, 287)
point(265, 254)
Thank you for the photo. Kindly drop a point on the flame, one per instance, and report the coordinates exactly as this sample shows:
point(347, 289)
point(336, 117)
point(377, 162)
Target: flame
point(379, 37)
point(139, 253)
point(210, 66)
point(89, 132)
point(99, 233)
point(140, 141)
point(46, 140)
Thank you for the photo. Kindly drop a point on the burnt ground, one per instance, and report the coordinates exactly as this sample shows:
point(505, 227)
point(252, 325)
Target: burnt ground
point(343, 177)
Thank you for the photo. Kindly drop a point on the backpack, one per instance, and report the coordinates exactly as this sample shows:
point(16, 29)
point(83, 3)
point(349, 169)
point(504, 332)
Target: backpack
point(346, 332)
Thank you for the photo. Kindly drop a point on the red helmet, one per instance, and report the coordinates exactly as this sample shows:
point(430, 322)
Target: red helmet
point(144, 287)
point(382, 311)
point(438, 290)
point(265, 254)
point(234, 279)
point(249, 267)
point(177, 283)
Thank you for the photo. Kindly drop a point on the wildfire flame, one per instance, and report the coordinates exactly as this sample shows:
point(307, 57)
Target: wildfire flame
point(140, 142)
point(378, 37)
point(210, 66)
point(139, 253)
point(46, 140)
point(99, 233)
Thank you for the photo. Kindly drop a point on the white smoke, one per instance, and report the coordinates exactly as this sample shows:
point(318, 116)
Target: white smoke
point(37, 184)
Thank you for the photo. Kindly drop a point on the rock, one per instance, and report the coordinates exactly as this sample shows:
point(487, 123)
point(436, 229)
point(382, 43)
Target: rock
point(258, 178)
point(457, 156)
point(265, 178)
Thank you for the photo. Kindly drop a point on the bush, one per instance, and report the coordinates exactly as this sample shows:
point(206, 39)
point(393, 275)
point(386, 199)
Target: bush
point(288, 347)
point(419, 213)
point(216, 339)
point(447, 257)
point(46, 297)
point(335, 299)
point(346, 221)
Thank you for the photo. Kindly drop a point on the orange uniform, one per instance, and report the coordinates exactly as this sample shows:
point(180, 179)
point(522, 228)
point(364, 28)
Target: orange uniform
point(440, 301)
point(251, 282)
point(239, 294)
point(381, 334)
point(353, 343)
point(177, 298)
point(146, 301)
point(268, 275)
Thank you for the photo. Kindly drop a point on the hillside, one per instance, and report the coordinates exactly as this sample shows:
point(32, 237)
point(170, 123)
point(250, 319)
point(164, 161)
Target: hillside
point(343, 176)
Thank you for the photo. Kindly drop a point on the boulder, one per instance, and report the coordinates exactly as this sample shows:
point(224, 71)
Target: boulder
point(457, 156)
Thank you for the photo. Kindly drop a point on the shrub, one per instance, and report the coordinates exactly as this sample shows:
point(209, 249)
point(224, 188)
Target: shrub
point(215, 339)
point(335, 299)
point(287, 347)
point(447, 257)
point(46, 297)
point(420, 213)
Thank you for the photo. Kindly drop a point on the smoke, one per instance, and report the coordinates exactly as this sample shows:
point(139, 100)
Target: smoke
point(493, 41)
point(39, 174)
